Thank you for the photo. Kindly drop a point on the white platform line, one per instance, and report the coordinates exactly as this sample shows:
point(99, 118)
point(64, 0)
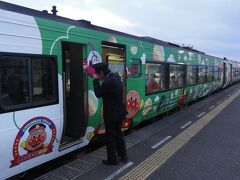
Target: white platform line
point(119, 171)
point(187, 124)
point(219, 102)
point(161, 142)
point(212, 107)
point(200, 115)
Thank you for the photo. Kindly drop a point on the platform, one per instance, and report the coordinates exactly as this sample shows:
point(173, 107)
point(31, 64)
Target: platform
point(200, 141)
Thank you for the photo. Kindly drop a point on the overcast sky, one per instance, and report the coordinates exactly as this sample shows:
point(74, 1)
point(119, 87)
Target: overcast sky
point(211, 26)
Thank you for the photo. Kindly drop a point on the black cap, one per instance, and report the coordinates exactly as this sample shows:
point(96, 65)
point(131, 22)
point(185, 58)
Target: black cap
point(100, 66)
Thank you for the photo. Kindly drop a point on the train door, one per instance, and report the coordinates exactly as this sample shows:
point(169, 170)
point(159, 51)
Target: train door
point(230, 75)
point(75, 122)
point(114, 55)
point(227, 75)
point(224, 74)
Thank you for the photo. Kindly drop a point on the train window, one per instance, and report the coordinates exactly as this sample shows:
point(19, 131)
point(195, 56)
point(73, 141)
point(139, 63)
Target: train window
point(43, 80)
point(216, 73)
point(154, 77)
point(238, 72)
point(27, 82)
point(210, 73)
point(191, 75)
point(234, 72)
point(136, 68)
point(176, 76)
point(116, 64)
point(202, 74)
point(14, 81)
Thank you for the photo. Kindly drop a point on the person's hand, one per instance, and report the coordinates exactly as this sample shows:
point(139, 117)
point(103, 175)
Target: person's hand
point(85, 65)
point(95, 76)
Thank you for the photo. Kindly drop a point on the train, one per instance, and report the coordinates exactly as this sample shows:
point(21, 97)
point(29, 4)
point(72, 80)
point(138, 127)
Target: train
point(48, 107)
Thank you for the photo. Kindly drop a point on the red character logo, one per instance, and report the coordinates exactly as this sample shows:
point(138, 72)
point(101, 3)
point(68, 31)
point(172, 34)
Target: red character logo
point(133, 103)
point(36, 139)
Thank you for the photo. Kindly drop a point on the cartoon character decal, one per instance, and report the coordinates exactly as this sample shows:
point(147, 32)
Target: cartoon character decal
point(182, 98)
point(92, 103)
point(147, 106)
point(126, 123)
point(134, 50)
point(93, 58)
point(133, 103)
point(158, 53)
point(112, 39)
point(35, 138)
point(171, 58)
point(156, 103)
point(143, 58)
point(128, 73)
point(89, 134)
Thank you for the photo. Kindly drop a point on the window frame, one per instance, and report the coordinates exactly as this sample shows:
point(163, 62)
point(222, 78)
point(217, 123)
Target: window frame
point(212, 79)
point(31, 104)
point(218, 73)
point(183, 78)
point(205, 78)
point(165, 75)
point(196, 75)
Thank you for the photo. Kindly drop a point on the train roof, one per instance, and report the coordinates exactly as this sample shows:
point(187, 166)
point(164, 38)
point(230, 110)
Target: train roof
point(86, 24)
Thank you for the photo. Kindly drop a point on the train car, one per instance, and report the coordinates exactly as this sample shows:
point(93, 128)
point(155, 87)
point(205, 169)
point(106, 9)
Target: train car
point(47, 103)
point(235, 72)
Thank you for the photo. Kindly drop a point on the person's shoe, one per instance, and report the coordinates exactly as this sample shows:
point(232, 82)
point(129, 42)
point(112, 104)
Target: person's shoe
point(107, 162)
point(124, 159)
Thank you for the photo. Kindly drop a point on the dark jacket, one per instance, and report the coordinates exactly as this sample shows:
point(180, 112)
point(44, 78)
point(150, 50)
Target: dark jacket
point(111, 91)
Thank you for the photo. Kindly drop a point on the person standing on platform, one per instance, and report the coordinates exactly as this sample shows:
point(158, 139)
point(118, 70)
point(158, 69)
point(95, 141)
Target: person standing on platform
point(114, 111)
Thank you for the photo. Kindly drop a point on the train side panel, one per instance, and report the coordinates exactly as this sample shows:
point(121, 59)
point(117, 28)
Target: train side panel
point(20, 38)
point(34, 133)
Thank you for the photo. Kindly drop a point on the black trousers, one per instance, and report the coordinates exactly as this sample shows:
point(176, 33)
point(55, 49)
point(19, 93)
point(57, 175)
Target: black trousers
point(114, 140)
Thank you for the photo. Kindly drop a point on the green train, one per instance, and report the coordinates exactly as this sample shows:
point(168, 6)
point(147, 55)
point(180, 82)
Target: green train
point(48, 107)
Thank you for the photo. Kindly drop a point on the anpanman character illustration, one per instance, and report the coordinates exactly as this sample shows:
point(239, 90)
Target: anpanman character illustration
point(36, 138)
point(133, 103)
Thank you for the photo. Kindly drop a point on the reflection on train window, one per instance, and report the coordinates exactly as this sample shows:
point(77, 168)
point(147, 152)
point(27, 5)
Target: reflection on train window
point(176, 76)
point(202, 74)
point(42, 79)
point(236, 72)
point(233, 72)
point(14, 81)
point(154, 78)
point(216, 73)
point(191, 75)
point(210, 73)
point(27, 81)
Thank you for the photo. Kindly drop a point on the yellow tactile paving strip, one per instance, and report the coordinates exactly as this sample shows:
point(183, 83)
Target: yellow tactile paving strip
point(147, 167)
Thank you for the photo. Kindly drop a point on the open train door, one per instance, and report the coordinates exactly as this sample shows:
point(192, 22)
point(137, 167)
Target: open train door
point(75, 121)
point(114, 55)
